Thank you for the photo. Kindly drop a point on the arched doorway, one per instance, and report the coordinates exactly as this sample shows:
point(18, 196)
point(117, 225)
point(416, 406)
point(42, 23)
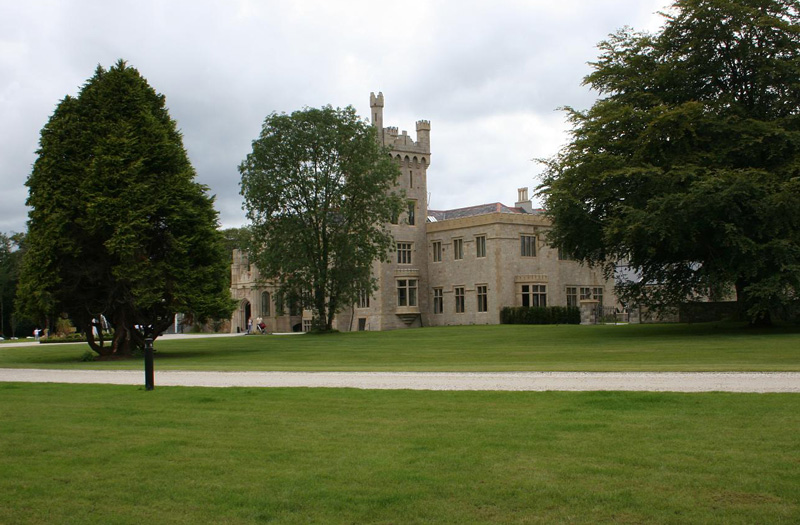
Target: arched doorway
point(245, 313)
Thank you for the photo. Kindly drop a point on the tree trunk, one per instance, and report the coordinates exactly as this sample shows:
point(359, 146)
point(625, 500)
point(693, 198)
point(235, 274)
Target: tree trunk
point(122, 344)
point(100, 348)
point(331, 314)
point(320, 312)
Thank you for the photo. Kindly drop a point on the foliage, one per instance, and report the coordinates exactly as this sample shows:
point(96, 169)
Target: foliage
point(701, 312)
point(318, 190)
point(64, 326)
point(540, 315)
point(118, 228)
point(57, 338)
point(235, 239)
point(12, 248)
point(688, 167)
point(8, 279)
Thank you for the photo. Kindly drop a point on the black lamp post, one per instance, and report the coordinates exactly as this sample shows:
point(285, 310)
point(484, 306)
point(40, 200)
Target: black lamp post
point(149, 383)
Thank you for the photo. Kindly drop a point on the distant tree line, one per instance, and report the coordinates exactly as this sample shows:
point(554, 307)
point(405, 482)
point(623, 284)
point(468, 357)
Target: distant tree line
point(12, 323)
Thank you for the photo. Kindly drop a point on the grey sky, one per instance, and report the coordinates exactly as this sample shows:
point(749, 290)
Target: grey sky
point(488, 75)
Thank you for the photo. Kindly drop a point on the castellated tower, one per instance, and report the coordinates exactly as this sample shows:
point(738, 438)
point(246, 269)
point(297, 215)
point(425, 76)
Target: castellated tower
point(402, 298)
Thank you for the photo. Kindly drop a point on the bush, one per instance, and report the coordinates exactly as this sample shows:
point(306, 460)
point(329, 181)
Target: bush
point(75, 337)
point(64, 326)
point(540, 315)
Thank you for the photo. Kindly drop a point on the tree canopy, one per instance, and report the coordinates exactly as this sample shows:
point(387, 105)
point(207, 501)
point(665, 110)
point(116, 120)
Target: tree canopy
point(118, 228)
point(318, 190)
point(12, 246)
point(688, 165)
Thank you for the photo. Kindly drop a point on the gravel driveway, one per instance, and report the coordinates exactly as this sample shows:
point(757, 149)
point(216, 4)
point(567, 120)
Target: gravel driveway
point(523, 381)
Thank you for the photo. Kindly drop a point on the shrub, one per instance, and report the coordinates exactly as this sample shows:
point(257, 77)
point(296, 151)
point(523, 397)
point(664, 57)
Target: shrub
point(64, 326)
point(540, 315)
point(69, 338)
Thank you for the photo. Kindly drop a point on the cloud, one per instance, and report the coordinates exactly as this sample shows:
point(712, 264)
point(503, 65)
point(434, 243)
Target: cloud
point(488, 76)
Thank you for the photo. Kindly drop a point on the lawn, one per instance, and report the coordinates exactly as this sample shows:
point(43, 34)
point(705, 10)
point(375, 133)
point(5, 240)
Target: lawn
point(115, 454)
point(699, 347)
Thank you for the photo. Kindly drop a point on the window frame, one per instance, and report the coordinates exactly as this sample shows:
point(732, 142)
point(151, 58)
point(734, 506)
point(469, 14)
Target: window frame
point(482, 295)
point(527, 245)
point(597, 294)
point(363, 299)
point(480, 246)
point(534, 294)
point(404, 251)
point(574, 296)
point(458, 249)
point(438, 301)
point(407, 293)
point(437, 251)
point(459, 294)
point(266, 299)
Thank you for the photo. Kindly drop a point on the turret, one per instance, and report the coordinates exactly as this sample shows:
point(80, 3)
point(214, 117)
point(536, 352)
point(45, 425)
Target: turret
point(376, 107)
point(424, 133)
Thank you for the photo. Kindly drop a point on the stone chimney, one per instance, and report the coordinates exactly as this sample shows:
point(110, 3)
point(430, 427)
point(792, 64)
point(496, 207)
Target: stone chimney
point(523, 201)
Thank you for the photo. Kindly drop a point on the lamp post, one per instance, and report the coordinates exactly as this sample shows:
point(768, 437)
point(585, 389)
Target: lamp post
point(149, 384)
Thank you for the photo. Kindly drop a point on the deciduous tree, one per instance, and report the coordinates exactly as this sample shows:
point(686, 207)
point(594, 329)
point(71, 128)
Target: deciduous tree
point(688, 166)
point(318, 189)
point(118, 227)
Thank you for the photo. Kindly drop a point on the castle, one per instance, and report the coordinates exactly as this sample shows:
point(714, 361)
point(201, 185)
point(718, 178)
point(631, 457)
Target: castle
point(450, 267)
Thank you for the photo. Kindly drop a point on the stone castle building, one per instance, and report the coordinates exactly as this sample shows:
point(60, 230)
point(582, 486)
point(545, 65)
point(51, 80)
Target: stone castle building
point(450, 267)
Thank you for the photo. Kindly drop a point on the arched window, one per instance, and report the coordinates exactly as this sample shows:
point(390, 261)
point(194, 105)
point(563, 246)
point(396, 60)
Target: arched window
point(264, 304)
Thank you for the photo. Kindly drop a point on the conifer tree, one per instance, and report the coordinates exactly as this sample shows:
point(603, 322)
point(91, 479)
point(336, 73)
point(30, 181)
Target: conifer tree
point(118, 228)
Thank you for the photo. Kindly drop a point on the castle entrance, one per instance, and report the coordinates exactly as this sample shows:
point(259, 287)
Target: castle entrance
point(245, 313)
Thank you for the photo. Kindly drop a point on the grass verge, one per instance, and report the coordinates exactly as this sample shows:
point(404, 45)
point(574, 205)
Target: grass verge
point(111, 454)
point(700, 347)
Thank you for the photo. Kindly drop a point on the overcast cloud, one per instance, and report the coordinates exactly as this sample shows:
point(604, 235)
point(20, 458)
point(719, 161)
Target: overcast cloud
point(488, 75)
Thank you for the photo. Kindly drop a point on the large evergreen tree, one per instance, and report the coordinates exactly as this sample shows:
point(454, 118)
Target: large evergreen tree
point(688, 166)
point(118, 228)
point(318, 189)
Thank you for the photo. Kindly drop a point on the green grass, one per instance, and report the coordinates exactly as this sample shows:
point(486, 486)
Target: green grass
point(700, 347)
point(116, 454)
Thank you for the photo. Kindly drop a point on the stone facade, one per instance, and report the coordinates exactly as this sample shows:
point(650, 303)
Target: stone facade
point(451, 267)
point(504, 257)
point(257, 300)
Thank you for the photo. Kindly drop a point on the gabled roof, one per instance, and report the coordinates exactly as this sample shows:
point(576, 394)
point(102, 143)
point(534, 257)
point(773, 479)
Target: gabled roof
point(481, 209)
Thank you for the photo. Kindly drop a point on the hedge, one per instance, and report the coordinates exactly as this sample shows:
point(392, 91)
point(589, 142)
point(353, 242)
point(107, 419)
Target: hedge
point(540, 315)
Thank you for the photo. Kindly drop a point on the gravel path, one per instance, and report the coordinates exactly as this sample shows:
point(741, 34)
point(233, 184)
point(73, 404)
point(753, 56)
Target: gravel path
point(523, 381)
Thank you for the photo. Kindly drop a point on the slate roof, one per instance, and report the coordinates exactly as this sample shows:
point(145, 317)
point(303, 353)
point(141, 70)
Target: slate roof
point(481, 209)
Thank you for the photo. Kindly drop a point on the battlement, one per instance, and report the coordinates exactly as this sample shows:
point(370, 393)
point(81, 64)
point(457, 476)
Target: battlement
point(399, 142)
point(376, 101)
